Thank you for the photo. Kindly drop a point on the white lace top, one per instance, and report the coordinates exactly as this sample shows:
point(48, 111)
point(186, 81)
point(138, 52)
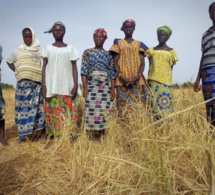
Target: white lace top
point(59, 75)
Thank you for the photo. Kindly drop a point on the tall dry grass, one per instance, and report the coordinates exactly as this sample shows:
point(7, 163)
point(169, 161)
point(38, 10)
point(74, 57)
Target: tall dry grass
point(173, 156)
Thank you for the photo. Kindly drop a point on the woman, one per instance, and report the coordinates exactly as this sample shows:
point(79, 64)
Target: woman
point(161, 59)
point(60, 81)
point(29, 101)
point(98, 78)
point(129, 64)
point(207, 68)
point(2, 110)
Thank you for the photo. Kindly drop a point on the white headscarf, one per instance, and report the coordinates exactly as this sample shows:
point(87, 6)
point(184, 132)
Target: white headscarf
point(35, 46)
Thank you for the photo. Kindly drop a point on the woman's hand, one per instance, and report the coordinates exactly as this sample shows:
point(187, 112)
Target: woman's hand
point(85, 93)
point(196, 87)
point(126, 81)
point(112, 94)
point(44, 91)
point(74, 92)
point(136, 79)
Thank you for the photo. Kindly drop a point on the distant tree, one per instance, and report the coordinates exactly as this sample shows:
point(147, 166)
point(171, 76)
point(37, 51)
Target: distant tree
point(176, 86)
point(187, 84)
point(6, 86)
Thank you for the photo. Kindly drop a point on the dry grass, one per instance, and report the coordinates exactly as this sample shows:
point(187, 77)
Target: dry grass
point(174, 156)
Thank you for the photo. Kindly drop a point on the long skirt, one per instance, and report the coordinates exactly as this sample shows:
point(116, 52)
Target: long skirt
point(29, 108)
point(2, 104)
point(130, 98)
point(162, 99)
point(98, 105)
point(61, 111)
point(208, 88)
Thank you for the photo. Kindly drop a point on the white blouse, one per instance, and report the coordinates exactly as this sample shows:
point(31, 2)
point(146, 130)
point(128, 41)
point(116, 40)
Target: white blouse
point(59, 75)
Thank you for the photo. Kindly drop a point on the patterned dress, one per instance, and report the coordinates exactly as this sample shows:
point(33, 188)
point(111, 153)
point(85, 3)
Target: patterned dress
point(29, 103)
point(208, 73)
point(129, 63)
point(97, 66)
point(160, 80)
point(61, 110)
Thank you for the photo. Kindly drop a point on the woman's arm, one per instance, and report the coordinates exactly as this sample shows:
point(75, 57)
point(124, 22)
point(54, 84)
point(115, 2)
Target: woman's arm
point(115, 62)
point(117, 68)
point(75, 78)
point(85, 88)
point(196, 84)
point(45, 62)
point(142, 64)
point(141, 69)
point(112, 95)
point(12, 66)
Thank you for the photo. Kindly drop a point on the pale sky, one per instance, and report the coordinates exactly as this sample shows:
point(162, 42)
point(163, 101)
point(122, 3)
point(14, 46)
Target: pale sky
point(188, 19)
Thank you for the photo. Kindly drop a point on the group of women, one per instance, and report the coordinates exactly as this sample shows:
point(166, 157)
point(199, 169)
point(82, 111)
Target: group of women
point(47, 99)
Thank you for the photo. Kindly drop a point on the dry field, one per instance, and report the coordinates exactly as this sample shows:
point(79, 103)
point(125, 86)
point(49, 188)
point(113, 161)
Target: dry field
point(173, 156)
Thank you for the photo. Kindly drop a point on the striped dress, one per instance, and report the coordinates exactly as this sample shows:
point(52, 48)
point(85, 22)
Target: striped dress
point(2, 102)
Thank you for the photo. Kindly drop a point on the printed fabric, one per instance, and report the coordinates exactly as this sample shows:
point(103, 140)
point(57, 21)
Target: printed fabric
point(161, 64)
point(98, 105)
point(29, 108)
point(129, 58)
point(162, 99)
point(97, 60)
point(208, 87)
point(61, 111)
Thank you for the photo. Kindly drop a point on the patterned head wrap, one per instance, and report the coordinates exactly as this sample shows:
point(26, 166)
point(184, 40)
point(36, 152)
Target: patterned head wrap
point(211, 5)
point(166, 29)
point(130, 21)
point(56, 23)
point(101, 30)
point(35, 45)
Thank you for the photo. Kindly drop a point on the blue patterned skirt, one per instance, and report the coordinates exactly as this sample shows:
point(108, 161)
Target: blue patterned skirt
point(2, 104)
point(29, 108)
point(162, 98)
point(98, 105)
point(130, 98)
point(208, 88)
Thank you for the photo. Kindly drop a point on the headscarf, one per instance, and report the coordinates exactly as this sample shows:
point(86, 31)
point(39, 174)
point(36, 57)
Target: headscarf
point(166, 29)
point(211, 6)
point(56, 23)
point(35, 45)
point(130, 21)
point(101, 30)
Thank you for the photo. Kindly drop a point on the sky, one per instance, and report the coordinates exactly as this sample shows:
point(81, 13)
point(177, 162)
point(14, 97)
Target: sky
point(188, 19)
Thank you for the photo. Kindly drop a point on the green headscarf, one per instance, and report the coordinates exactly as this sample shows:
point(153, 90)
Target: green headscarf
point(166, 29)
point(56, 23)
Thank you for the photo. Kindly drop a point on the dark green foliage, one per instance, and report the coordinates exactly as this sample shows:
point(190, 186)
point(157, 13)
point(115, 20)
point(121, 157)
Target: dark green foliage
point(6, 86)
point(187, 84)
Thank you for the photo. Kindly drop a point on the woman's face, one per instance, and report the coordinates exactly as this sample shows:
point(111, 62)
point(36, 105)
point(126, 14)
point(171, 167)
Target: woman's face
point(212, 12)
point(27, 37)
point(162, 37)
point(128, 28)
point(58, 32)
point(99, 39)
